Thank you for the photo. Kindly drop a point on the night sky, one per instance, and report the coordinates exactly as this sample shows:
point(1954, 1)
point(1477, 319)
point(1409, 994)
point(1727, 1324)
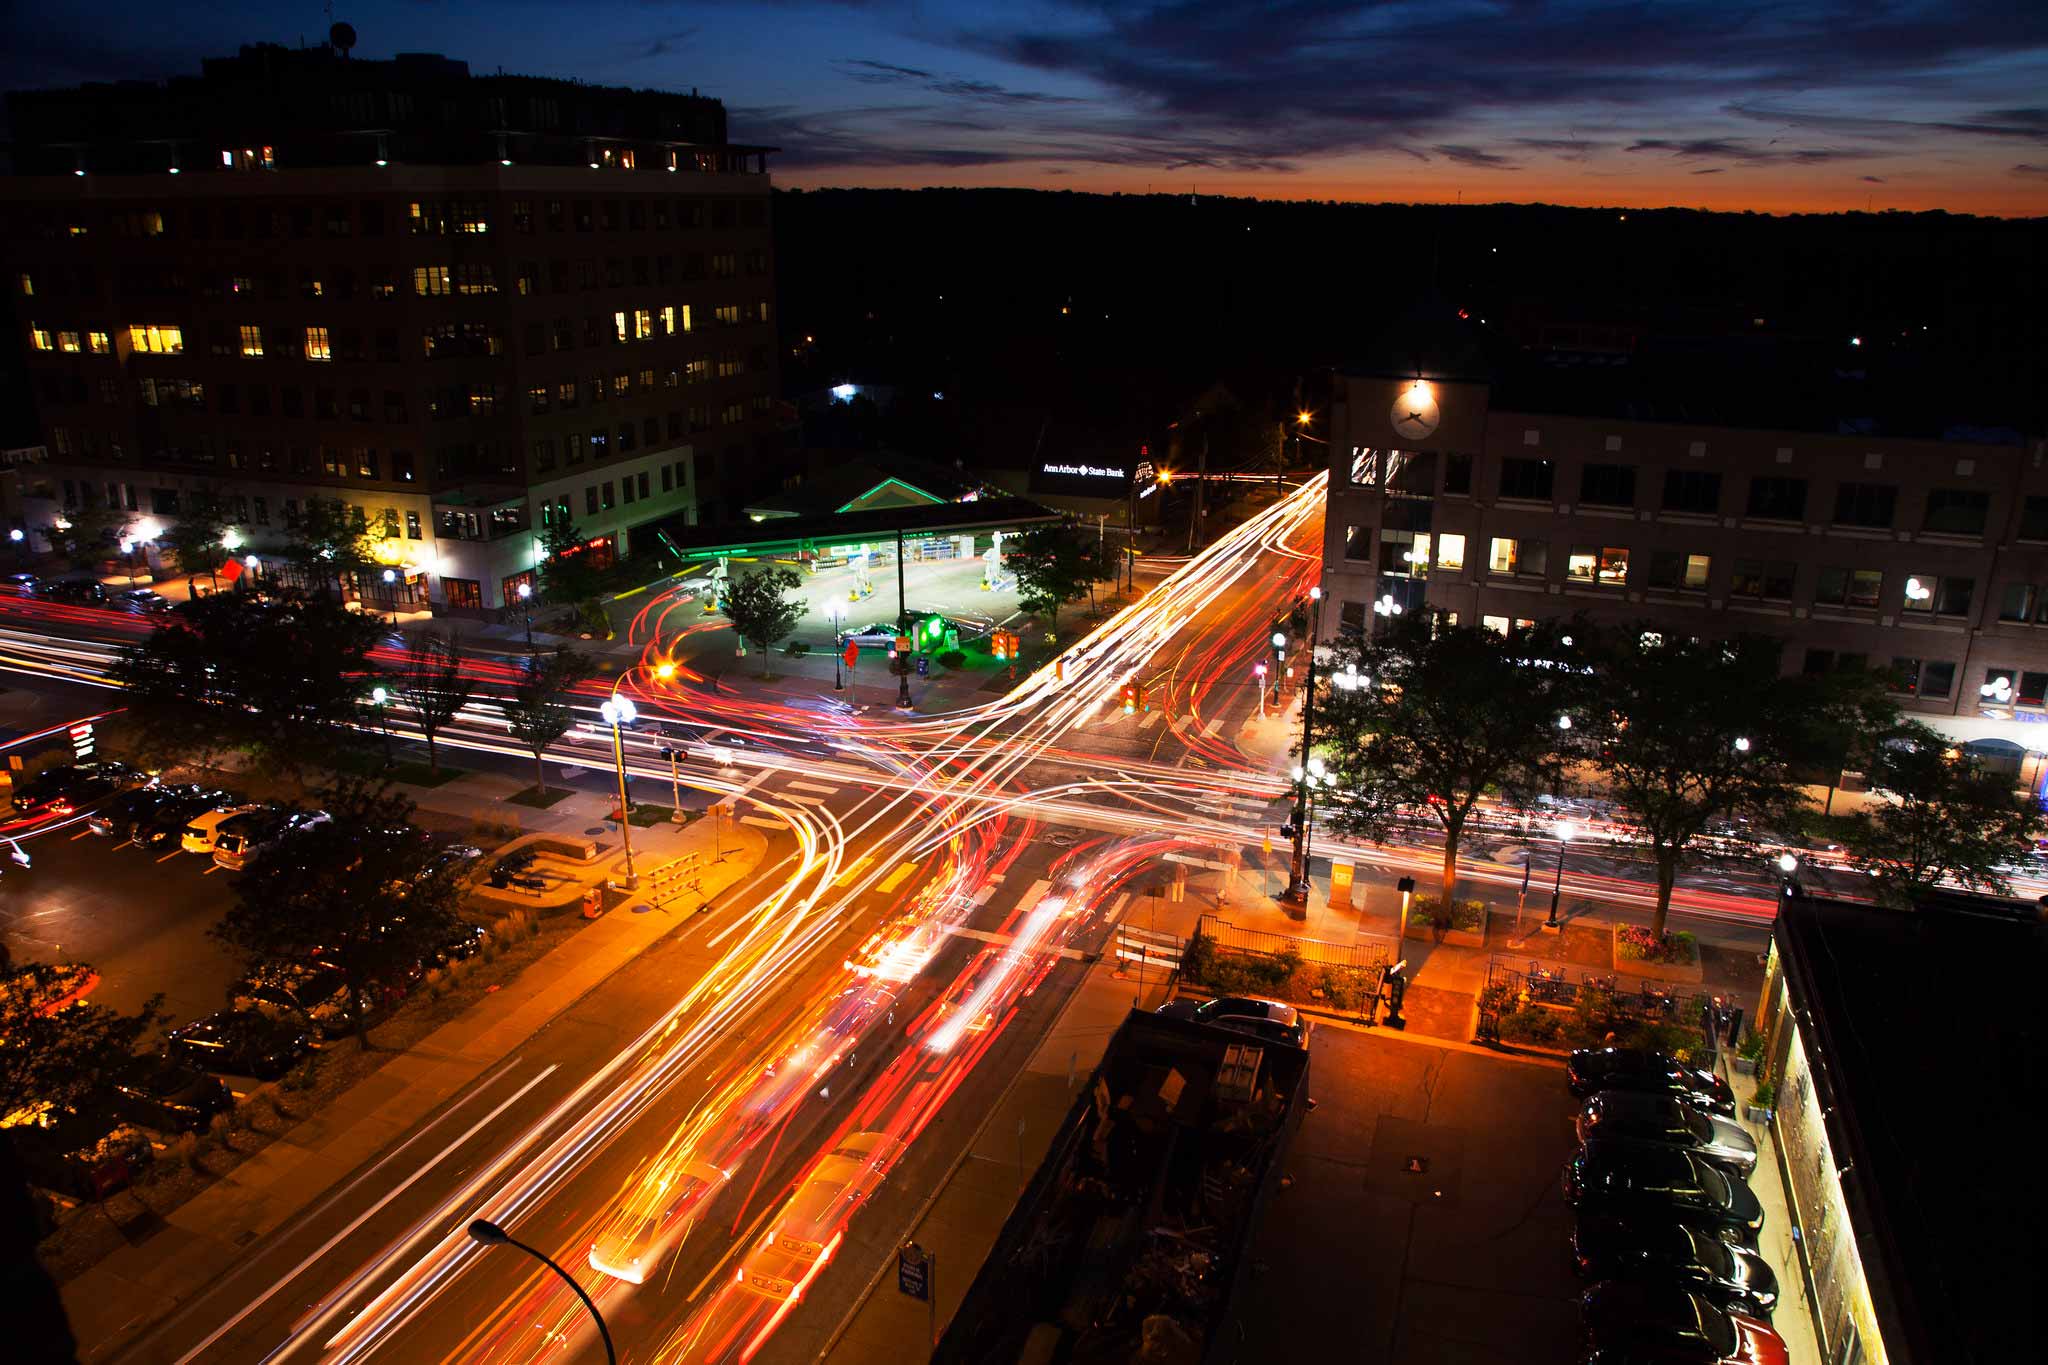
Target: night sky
point(1802, 105)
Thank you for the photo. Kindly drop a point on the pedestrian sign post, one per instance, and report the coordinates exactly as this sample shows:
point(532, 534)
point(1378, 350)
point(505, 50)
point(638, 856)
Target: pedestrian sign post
point(917, 1275)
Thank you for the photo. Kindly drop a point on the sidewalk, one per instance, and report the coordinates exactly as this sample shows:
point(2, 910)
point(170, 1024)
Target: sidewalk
point(1794, 1318)
point(116, 1299)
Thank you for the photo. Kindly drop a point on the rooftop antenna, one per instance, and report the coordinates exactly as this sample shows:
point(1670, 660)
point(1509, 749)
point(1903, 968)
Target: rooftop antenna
point(341, 37)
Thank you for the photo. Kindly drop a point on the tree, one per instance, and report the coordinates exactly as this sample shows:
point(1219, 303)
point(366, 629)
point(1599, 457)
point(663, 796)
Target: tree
point(329, 540)
point(538, 712)
point(58, 1054)
point(1444, 716)
point(195, 536)
point(760, 609)
point(86, 535)
point(1848, 713)
point(1943, 818)
point(430, 680)
point(1689, 732)
point(356, 890)
point(278, 679)
point(1053, 567)
point(565, 576)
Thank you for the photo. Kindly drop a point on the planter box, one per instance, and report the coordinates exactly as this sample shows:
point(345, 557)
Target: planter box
point(1688, 973)
point(1463, 938)
point(1757, 1115)
point(1745, 1066)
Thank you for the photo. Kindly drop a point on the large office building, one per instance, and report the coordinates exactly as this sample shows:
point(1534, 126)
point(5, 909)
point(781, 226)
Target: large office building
point(466, 306)
point(1500, 493)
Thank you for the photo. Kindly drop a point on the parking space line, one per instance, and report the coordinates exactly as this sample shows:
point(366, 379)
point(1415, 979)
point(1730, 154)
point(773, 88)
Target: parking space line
point(762, 822)
point(812, 787)
point(172, 854)
point(897, 878)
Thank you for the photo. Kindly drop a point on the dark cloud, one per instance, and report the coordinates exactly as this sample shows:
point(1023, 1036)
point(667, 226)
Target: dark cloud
point(882, 73)
point(1872, 179)
point(1566, 149)
point(1739, 149)
point(955, 87)
point(2025, 125)
point(1712, 170)
point(2029, 170)
point(665, 44)
point(1474, 156)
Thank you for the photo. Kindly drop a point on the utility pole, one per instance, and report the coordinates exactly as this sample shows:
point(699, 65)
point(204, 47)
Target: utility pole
point(1298, 886)
point(1201, 477)
point(902, 612)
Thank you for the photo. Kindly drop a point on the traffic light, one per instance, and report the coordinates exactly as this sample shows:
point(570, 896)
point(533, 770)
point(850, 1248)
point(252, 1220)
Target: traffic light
point(1133, 696)
point(1003, 644)
point(931, 632)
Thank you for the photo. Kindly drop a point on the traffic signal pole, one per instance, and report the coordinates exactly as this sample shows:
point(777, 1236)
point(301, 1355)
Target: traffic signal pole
point(1298, 883)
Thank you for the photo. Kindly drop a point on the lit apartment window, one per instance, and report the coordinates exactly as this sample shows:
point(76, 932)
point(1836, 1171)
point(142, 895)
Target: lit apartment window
point(761, 311)
point(156, 340)
point(481, 278)
point(727, 315)
point(28, 285)
point(565, 393)
point(1605, 565)
point(646, 381)
point(252, 342)
point(1676, 571)
point(687, 324)
point(696, 370)
point(1450, 552)
point(40, 338)
point(537, 398)
point(430, 279)
point(98, 343)
point(643, 323)
point(1524, 558)
point(622, 385)
point(483, 399)
point(730, 365)
point(619, 327)
point(471, 217)
point(668, 320)
point(1942, 596)
point(67, 342)
point(317, 347)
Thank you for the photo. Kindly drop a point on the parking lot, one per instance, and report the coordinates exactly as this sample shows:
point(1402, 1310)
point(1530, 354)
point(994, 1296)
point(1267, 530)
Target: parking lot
point(1425, 1222)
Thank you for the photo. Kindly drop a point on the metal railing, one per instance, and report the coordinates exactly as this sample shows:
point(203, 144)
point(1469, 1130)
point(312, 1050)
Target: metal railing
point(1369, 952)
point(1623, 999)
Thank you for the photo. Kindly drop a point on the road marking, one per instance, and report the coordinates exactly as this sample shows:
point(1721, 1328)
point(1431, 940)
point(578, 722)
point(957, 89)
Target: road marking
point(366, 1214)
point(802, 800)
point(1005, 940)
point(812, 787)
point(1192, 861)
point(172, 854)
point(897, 878)
point(1152, 718)
point(761, 822)
point(1255, 802)
point(846, 878)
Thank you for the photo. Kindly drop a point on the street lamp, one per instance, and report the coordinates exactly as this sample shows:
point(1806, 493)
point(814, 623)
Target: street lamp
point(1742, 744)
point(1788, 866)
point(491, 1235)
point(526, 605)
point(1259, 672)
point(1566, 831)
point(1298, 880)
point(838, 649)
point(619, 712)
point(378, 696)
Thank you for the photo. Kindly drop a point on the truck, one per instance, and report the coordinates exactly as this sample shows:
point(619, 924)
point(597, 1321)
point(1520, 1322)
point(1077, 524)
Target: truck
point(1133, 1239)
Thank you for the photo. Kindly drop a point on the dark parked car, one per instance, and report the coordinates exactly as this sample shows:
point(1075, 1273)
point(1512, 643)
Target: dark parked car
point(84, 592)
point(142, 601)
point(20, 582)
point(1632, 1068)
point(1641, 1116)
point(462, 944)
point(242, 1043)
point(121, 817)
point(63, 790)
point(299, 994)
point(166, 824)
point(1267, 1019)
point(1644, 1180)
point(85, 1156)
point(1697, 1259)
point(1637, 1323)
point(172, 1096)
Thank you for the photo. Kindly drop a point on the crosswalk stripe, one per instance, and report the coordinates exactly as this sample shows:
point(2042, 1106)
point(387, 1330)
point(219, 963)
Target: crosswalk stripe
point(761, 822)
point(897, 878)
point(1151, 719)
point(1193, 861)
point(811, 787)
point(796, 798)
point(1005, 940)
point(859, 865)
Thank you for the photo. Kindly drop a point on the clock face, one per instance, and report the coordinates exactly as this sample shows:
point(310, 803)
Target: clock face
point(1415, 414)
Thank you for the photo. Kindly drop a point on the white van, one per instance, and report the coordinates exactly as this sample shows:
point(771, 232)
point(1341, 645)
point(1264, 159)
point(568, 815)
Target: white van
point(204, 830)
point(238, 840)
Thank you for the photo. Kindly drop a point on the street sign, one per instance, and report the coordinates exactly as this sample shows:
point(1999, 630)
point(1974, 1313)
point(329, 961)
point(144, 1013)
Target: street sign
point(81, 740)
point(913, 1271)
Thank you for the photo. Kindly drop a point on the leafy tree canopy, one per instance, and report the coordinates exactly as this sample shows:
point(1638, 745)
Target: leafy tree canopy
point(538, 710)
point(760, 608)
point(61, 1055)
point(1942, 817)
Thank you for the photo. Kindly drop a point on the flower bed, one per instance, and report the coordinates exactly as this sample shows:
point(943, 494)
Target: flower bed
point(1463, 924)
point(1561, 1029)
point(1276, 976)
point(1676, 957)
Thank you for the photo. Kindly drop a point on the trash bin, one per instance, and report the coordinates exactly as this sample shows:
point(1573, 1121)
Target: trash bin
point(593, 902)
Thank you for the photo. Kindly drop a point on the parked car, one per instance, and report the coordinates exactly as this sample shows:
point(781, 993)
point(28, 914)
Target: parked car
point(166, 824)
point(1697, 1259)
point(1634, 1323)
point(1645, 1180)
point(203, 831)
point(304, 993)
point(241, 839)
point(83, 592)
point(242, 1043)
point(458, 860)
point(19, 582)
point(142, 601)
point(84, 1156)
point(65, 789)
point(121, 817)
point(1269, 1020)
point(462, 944)
point(1632, 1068)
point(1643, 1116)
point(170, 1095)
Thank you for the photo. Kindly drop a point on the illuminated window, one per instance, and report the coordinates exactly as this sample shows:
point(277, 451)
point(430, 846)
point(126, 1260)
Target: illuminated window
point(317, 346)
point(565, 393)
point(619, 327)
point(1450, 552)
point(39, 338)
point(28, 285)
point(483, 399)
point(687, 325)
point(668, 319)
point(646, 381)
point(727, 315)
point(696, 370)
point(252, 342)
point(67, 342)
point(157, 340)
point(98, 343)
point(622, 384)
point(537, 398)
point(476, 279)
point(1676, 571)
point(430, 279)
point(729, 365)
point(1524, 558)
point(643, 324)
point(471, 217)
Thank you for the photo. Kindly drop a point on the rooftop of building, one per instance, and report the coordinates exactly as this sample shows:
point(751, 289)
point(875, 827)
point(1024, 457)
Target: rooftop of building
point(1926, 1032)
point(321, 106)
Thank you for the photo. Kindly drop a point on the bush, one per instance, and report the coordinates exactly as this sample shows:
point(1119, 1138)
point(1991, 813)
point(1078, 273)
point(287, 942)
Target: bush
point(1466, 915)
point(1635, 944)
point(186, 1149)
point(953, 658)
point(301, 1076)
point(796, 649)
point(1766, 1094)
point(1533, 1024)
point(1752, 1048)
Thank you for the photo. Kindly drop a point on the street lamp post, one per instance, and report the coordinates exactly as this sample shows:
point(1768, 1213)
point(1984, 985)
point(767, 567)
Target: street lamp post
point(619, 712)
point(838, 648)
point(1565, 830)
point(378, 697)
point(490, 1234)
point(1298, 881)
point(526, 606)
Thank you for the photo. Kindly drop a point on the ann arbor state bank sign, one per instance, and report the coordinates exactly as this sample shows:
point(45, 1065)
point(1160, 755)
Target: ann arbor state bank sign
point(1096, 476)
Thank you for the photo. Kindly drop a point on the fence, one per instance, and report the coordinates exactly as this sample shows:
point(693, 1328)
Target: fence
point(1624, 1003)
point(1148, 948)
point(1366, 952)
